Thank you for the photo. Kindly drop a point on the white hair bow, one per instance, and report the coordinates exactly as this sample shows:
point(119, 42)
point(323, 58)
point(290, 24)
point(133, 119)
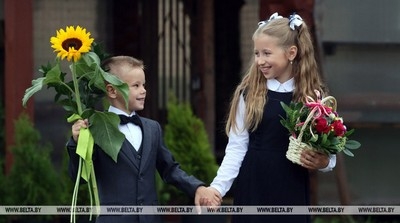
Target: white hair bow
point(295, 21)
point(272, 17)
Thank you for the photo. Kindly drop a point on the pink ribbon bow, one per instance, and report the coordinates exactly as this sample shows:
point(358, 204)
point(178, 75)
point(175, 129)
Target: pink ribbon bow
point(318, 106)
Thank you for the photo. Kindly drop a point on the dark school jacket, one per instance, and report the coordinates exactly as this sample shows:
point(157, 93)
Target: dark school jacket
point(131, 181)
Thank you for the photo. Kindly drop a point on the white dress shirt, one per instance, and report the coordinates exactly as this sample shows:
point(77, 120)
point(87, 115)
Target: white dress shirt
point(132, 132)
point(238, 143)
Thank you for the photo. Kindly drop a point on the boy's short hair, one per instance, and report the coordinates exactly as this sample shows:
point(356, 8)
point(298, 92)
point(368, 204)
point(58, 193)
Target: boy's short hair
point(120, 61)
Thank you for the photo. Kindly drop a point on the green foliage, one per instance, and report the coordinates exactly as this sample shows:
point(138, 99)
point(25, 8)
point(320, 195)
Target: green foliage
point(294, 112)
point(105, 132)
point(91, 78)
point(187, 139)
point(79, 97)
point(83, 93)
point(33, 179)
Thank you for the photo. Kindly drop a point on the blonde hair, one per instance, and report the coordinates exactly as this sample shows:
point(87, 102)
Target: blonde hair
point(116, 64)
point(254, 85)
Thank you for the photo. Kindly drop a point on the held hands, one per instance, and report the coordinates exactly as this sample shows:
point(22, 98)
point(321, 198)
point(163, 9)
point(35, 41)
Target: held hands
point(314, 160)
point(207, 196)
point(76, 127)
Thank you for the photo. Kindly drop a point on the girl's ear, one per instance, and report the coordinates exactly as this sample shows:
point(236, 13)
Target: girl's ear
point(111, 91)
point(292, 52)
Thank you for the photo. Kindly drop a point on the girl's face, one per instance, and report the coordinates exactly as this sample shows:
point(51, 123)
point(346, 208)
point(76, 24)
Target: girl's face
point(272, 59)
point(135, 79)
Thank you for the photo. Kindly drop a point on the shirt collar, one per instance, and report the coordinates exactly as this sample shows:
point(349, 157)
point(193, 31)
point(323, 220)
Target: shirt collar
point(119, 111)
point(275, 85)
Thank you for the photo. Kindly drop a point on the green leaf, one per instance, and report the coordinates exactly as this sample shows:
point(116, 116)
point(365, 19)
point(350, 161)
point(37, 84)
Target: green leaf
point(333, 148)
point(106, 134)
point(285, 107)
point(298, 106)
point(121, 86)
point(73, 118)
point(352, 144)
point(97, 80)
point(86, 65)
point(347, 152)
point(68, 105)
point(87, 113)
point(335, 141)
point(324, 140)
point(349, 132)
point(36, 86)
point(54, 76)
point(91, 58)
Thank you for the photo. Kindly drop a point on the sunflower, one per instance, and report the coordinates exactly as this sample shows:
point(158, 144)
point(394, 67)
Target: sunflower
point(71, 43)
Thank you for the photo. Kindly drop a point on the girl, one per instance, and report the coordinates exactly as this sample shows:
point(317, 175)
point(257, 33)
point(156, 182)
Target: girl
point(284, 69)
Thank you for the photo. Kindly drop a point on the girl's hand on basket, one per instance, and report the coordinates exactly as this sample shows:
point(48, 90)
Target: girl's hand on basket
point(314, 160)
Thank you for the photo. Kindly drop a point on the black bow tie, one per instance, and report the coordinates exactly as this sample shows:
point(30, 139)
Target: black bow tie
point(132, 119)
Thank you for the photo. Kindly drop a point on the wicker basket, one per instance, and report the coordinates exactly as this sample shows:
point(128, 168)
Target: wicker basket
point(295, 149)
point(296, 146)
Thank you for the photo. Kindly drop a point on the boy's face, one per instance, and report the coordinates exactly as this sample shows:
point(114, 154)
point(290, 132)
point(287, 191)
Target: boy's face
point(135, 79)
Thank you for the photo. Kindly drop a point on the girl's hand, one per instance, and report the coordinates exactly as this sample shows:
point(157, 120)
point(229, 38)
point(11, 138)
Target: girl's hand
point(314, 160)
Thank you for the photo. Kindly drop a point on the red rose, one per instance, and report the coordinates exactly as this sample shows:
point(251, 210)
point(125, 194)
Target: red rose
point(321, 125)
point(339, 128)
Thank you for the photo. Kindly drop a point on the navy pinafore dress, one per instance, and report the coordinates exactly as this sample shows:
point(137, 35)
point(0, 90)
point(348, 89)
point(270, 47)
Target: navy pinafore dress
point(266, 176)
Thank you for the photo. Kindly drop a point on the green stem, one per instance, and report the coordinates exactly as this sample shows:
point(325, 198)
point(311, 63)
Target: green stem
point(90, 195)
point(75, 193)
point(95, 192)
point(70, 89)
point(78, 177)
point(76, 87)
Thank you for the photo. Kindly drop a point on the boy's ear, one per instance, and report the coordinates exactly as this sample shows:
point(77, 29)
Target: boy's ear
point(292, 53)
point(111, 91)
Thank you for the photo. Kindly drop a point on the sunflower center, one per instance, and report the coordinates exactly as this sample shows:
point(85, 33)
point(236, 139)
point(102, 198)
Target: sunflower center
point(72, 42)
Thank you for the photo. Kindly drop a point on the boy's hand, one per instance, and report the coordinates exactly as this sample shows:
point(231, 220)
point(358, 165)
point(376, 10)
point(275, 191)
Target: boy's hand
point(76, 127)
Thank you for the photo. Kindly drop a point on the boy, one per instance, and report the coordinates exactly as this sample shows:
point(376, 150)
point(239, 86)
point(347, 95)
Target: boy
point(131, 180)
